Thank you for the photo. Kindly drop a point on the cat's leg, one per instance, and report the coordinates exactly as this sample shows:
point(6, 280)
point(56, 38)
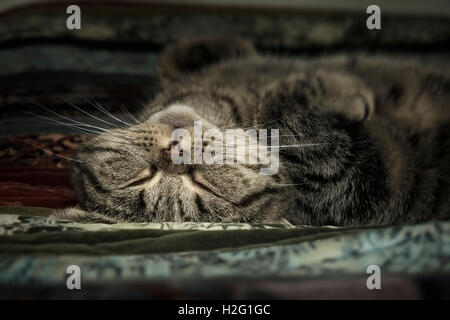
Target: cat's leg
point(416, 97)
point(407, 91)
point(77, 215)
point(333, 159)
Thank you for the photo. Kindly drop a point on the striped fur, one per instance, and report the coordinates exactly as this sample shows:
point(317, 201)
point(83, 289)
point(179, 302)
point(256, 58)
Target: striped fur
point(372, 139)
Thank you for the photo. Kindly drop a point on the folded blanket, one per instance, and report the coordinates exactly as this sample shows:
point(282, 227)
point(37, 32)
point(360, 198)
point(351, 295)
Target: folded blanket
point(39, 249)
point(38, 235)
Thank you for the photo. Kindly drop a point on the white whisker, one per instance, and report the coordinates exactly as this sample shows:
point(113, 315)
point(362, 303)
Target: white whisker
point(48, 152)
point(129, 114)
point(90, 115)
point(106, 112)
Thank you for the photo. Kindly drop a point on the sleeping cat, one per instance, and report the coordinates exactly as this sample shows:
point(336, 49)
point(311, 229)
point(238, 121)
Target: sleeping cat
point(366, 142)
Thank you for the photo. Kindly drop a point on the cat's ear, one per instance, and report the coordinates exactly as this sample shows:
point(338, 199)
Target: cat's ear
point(194, 54)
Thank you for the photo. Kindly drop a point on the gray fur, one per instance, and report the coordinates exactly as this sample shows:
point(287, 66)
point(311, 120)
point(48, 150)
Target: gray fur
point(381, 130)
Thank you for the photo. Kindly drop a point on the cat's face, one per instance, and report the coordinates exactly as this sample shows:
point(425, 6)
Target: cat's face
point(129, 175)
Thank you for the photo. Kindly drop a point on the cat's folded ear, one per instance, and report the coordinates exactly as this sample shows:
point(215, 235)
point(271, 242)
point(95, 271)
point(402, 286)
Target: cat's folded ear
point(194, 54)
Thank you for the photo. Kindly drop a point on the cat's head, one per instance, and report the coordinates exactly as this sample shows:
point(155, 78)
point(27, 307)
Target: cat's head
point(130, 174)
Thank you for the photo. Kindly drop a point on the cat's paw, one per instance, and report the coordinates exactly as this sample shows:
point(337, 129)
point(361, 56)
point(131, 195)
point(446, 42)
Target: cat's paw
point(77, 215)
point(322, 91)
point(345, 94)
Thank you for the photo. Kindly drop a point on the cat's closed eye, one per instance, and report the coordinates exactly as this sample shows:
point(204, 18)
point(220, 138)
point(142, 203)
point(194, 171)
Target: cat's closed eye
point(141, 180)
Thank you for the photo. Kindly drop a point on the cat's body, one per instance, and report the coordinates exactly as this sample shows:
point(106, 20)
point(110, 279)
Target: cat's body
point(366, 142)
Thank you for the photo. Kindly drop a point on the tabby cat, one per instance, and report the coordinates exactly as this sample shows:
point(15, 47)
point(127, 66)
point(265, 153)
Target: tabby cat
point(366, 142)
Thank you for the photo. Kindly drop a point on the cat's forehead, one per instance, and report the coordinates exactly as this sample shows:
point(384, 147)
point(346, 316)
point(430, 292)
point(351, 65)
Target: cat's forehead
point(178, 116)
point(174, 110)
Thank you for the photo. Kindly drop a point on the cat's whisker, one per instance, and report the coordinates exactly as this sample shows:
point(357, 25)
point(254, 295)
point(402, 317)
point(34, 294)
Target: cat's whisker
point(301, 145)
point(98, 135)
point(227, 126)
point(50, 153)
point(101, 109)
point(125, 142)
point(128, 113)
point(50, 120)
point(257, 147)
point(262, 124)
point(230, 126)
point(90, 115)
point(102, 138)
point(59, 156)
point(79, 127)
point(106, 112)
point(266, 123)
point(69, 119)
point(237, 126)
point(287, 184)
point(111, 115)
point(291, 135)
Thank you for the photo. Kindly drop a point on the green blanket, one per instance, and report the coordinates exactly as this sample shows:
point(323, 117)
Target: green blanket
point(22, 234)
point(37, 249)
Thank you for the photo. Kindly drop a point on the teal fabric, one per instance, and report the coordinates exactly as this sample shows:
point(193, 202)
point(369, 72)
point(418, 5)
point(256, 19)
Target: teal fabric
point(408, 250)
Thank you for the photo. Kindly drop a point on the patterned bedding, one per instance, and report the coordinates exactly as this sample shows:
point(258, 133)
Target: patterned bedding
point(36, 251)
